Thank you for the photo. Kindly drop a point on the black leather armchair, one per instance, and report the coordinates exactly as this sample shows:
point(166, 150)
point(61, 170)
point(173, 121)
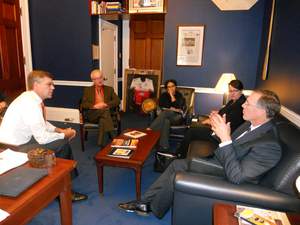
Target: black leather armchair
point(177, 131)
point(195, 194)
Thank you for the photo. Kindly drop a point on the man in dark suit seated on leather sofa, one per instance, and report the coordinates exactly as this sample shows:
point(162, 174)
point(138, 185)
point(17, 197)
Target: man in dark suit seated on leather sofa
point(245, 156)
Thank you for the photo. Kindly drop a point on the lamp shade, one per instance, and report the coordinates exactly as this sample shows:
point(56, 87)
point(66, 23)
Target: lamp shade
point(222, 85)
point(298, 184)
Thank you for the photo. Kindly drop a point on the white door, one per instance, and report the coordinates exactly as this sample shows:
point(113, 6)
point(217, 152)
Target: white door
point(108, 59)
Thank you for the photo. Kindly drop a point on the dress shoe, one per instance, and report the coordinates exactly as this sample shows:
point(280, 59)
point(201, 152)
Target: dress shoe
point(138, 207)
point(168, 154)
point(76, 197)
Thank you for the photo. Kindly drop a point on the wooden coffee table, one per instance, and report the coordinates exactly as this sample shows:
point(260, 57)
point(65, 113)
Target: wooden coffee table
point(135, 162)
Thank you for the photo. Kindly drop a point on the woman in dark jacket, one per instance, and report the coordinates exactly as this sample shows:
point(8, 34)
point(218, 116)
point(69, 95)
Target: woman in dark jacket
point(234, 114)
point(172, 105)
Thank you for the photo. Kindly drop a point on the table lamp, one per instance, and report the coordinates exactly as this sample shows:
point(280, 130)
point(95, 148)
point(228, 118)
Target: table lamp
point(298, 184)
point(222, 85)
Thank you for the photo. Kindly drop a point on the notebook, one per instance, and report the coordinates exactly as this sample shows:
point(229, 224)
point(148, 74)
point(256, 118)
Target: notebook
point(19, 179)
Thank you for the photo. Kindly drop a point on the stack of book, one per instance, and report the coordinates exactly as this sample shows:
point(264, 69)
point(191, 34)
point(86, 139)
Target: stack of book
point(112, 7)
point(103, 7)
point(123, 148)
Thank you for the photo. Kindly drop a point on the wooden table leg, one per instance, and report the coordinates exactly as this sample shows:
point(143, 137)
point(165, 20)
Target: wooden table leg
point(138, 174)
point(100, 176)
point(66, 202)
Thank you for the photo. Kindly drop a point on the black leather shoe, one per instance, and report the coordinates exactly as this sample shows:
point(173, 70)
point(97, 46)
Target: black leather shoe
point(138, 207)
point(76, 197)
point(168, 154)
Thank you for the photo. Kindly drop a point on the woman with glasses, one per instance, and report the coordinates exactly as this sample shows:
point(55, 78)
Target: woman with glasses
point(232, 110)
point(172, 105)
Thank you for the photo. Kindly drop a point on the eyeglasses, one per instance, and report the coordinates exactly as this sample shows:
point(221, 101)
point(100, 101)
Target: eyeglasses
point(170, 86)
point(233, 90)
point(249, 104)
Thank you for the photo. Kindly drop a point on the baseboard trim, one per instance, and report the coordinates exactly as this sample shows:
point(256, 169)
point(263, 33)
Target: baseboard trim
point(290, 115)
point(72, 83)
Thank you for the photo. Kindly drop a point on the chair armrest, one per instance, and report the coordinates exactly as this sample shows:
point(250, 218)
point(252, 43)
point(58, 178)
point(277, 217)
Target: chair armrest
point(249, 194)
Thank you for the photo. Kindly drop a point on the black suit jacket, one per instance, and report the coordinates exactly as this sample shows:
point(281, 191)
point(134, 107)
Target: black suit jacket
point(247, 158)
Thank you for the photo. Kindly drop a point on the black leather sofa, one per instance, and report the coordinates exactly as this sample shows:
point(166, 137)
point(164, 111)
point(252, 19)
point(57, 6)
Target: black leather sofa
point(195, 194)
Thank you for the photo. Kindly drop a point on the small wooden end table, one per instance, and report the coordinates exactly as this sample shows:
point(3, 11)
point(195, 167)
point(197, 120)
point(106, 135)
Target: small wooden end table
point(223, 214)
point(29, 203)
point(135, 162)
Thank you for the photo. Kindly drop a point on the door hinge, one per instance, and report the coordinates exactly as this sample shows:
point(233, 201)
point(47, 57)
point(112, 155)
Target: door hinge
point(20, 11)
point(24, 60)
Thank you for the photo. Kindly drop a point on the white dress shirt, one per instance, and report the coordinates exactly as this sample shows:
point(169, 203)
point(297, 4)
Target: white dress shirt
point(24, 119)
point(222, 144)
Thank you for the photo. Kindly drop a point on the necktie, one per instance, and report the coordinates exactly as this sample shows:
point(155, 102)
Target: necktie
point(100, 91)
point(43, 110)
point(245, 132)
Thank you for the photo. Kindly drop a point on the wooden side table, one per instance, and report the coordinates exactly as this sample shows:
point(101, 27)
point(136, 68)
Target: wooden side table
point(223, 214)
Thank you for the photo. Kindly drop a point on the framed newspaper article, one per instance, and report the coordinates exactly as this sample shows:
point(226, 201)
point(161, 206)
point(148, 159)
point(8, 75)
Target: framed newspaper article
point(190, 45)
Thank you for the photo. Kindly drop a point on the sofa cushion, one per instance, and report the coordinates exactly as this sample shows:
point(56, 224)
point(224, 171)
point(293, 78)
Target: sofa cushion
point(197, 151)
point(282, 177)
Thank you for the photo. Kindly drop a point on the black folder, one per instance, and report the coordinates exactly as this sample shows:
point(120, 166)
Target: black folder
point(19, 179)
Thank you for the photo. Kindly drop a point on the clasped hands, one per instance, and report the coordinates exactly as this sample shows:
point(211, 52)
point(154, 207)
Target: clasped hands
point(220, 127)
point(100, 105)
point(68, 132)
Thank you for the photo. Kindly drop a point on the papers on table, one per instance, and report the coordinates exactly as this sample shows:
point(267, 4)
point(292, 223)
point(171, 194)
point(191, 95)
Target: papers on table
point(10, 159)
point(3, 215)
point(250, 215)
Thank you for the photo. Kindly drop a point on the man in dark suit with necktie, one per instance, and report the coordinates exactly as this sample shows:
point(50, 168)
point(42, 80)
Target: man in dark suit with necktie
point(98, 100)
point(245, 156)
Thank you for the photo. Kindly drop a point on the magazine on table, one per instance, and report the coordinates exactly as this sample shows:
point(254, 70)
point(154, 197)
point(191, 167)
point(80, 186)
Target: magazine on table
point(124, 143)
point(256, 216)
point(135, 134)
point(124, 153)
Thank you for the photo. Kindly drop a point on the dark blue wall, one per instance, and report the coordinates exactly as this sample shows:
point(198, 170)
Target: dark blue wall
point(284, 70)
point(61, 43)
point(231, 42)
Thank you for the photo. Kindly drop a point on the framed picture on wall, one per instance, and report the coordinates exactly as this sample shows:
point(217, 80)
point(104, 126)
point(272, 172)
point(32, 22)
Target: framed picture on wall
point(189, 45)
point(140, 85)
point(146, 6)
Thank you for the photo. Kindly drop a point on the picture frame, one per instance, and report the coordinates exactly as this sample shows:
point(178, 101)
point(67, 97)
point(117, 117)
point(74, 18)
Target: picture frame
point(190, 41)
point(147, 6)
point(136, 80)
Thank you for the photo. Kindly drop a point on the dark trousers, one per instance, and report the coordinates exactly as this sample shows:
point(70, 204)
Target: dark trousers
point(163, 122)
point(104, 120)
point(61, 148)
point(160, 194)
point(193, 134)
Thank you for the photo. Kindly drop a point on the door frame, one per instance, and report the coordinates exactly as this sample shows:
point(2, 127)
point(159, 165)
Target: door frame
point(25, 33)
point(102, 24)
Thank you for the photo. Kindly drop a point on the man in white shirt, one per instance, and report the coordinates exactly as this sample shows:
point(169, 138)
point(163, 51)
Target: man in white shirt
point(24, 124)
